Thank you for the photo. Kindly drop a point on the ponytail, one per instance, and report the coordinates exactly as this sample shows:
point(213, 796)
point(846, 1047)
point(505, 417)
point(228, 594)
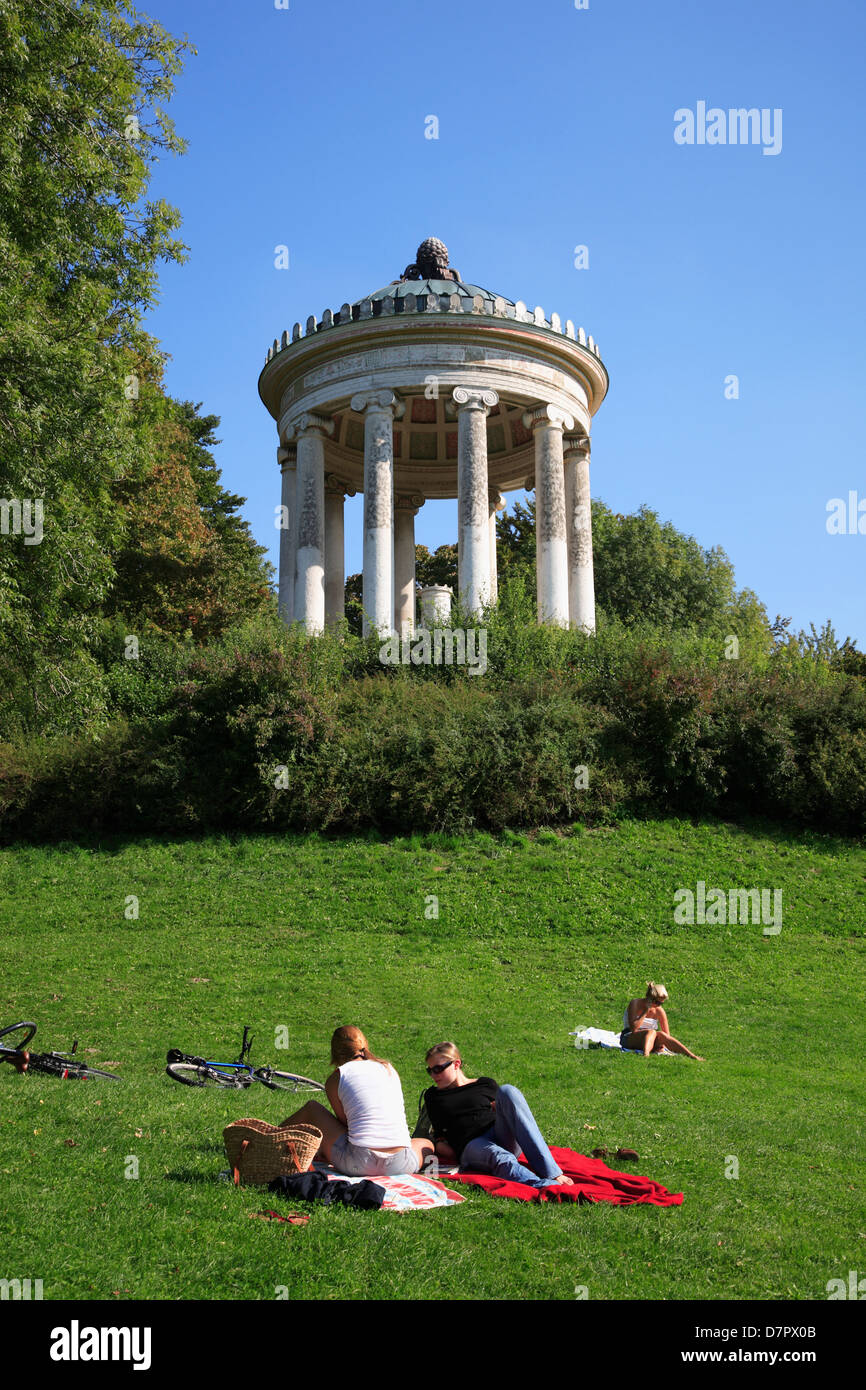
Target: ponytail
point(349, 1044)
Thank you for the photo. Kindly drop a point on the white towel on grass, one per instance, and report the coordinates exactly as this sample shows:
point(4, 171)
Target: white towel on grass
point(603, 1037)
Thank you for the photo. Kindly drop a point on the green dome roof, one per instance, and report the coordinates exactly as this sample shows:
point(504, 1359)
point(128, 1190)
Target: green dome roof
point(399, 289)
point(430, 273)
point(430, 285)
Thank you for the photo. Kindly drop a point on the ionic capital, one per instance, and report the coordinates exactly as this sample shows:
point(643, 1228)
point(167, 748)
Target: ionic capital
point(548, 415)
point(378, 400)
point(335, 484)
point(287, 457)
point(578, 445)
point(409, 502)
point(495, 498)
point(466, 399)
point(306, 422)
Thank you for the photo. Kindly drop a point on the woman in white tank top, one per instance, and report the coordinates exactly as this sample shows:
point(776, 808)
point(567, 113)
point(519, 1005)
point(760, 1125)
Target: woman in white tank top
point(367, 1135)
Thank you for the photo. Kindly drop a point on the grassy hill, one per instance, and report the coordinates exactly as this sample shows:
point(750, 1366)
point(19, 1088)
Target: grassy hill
point(535, 934)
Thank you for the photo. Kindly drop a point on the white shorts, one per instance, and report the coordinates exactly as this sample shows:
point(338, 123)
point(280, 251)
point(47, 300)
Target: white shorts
point(356, 1161)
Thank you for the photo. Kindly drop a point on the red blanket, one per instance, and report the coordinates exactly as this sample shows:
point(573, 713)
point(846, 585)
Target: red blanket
point(593, 1182)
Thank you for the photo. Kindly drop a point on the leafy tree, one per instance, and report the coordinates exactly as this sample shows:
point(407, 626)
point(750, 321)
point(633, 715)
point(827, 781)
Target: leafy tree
point(851, 660)
point(646, 572)
point(438, 568)
point(822, 647)
point(187, 562)
point(81, 86)
point(515, 540)
point(649, 571)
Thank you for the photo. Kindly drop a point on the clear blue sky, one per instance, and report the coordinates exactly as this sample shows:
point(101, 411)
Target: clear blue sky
point(306, 128)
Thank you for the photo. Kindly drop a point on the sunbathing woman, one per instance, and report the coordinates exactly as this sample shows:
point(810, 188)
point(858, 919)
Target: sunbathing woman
point(645, 1025)
point(367, 1135)
point(482, 1126)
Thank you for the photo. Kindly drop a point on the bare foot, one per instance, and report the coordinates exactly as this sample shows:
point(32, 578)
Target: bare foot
point(564, 1181)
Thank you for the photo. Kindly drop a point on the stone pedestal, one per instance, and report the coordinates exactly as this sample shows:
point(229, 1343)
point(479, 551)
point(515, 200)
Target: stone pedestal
point(436, 606)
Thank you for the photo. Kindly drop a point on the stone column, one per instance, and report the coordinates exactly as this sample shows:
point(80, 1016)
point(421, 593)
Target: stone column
point(578, 515)
point(379, 408)
point(404, 563)
point(496, 503)
point(309, 432)
point(335, 563)
point(551, 543)
point(287, 460)
point(473, 512)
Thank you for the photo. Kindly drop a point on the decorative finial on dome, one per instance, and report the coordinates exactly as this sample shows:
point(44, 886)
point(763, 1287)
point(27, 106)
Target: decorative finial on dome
point(431, 262)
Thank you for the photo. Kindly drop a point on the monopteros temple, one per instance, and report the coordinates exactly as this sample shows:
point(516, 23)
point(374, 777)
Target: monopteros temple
point(432, 387)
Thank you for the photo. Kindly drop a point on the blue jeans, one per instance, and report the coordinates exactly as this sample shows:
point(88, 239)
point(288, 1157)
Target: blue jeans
point(513, 1131)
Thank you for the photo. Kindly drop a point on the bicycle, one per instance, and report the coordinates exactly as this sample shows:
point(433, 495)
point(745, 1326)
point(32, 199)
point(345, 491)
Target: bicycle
point(237, 1075)
point(52, 1063)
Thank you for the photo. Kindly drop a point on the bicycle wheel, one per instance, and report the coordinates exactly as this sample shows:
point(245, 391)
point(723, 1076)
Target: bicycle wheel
point(67, 1068)
point(17, 1044)
point(79, 1071)
point(285, 1080)
point(189, 1074)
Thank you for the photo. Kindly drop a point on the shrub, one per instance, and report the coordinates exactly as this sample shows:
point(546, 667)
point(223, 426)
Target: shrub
point(271, 729)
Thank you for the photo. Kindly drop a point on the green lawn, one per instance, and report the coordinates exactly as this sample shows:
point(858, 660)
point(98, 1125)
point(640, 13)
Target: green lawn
point(534, 936)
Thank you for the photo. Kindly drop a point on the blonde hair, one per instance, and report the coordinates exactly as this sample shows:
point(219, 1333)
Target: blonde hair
point(657, 993)
point(348, 1043)
point(445, 1049)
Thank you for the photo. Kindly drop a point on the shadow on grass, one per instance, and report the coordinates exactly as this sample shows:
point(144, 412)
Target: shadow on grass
point(196, 1178)
point(738, 819)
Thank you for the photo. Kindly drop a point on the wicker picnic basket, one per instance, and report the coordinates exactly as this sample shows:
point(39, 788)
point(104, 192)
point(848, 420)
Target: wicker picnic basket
point(259, 1152)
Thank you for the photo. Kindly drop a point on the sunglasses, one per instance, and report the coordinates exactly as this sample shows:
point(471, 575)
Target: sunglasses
point(437, 1071)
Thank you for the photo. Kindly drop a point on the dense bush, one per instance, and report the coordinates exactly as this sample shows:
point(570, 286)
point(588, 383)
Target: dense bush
point(269, 729)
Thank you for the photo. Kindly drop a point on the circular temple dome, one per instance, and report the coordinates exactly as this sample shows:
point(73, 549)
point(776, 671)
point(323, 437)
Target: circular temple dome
point(431, 388)
point(430, 273)
point(430, 328)
point(399, 290)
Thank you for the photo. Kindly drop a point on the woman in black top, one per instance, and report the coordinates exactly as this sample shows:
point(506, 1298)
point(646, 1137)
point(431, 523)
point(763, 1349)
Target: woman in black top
point(482, 1126)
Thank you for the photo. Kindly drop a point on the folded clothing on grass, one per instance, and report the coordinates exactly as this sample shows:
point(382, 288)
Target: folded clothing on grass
point(314, 1187)
point(603, 1037)
point(593, 1182)
point(402, 1191)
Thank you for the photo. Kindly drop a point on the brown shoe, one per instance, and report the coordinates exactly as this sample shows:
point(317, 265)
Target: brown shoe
point(600, 1153)
point(627, 1154)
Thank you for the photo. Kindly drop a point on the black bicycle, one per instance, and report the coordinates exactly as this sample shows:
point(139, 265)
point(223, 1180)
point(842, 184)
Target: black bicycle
point(52, 1063)
point(237, 1075)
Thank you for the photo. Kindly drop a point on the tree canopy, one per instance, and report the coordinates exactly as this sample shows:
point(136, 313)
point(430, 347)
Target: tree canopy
point(88, 439)
point(646, 571)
